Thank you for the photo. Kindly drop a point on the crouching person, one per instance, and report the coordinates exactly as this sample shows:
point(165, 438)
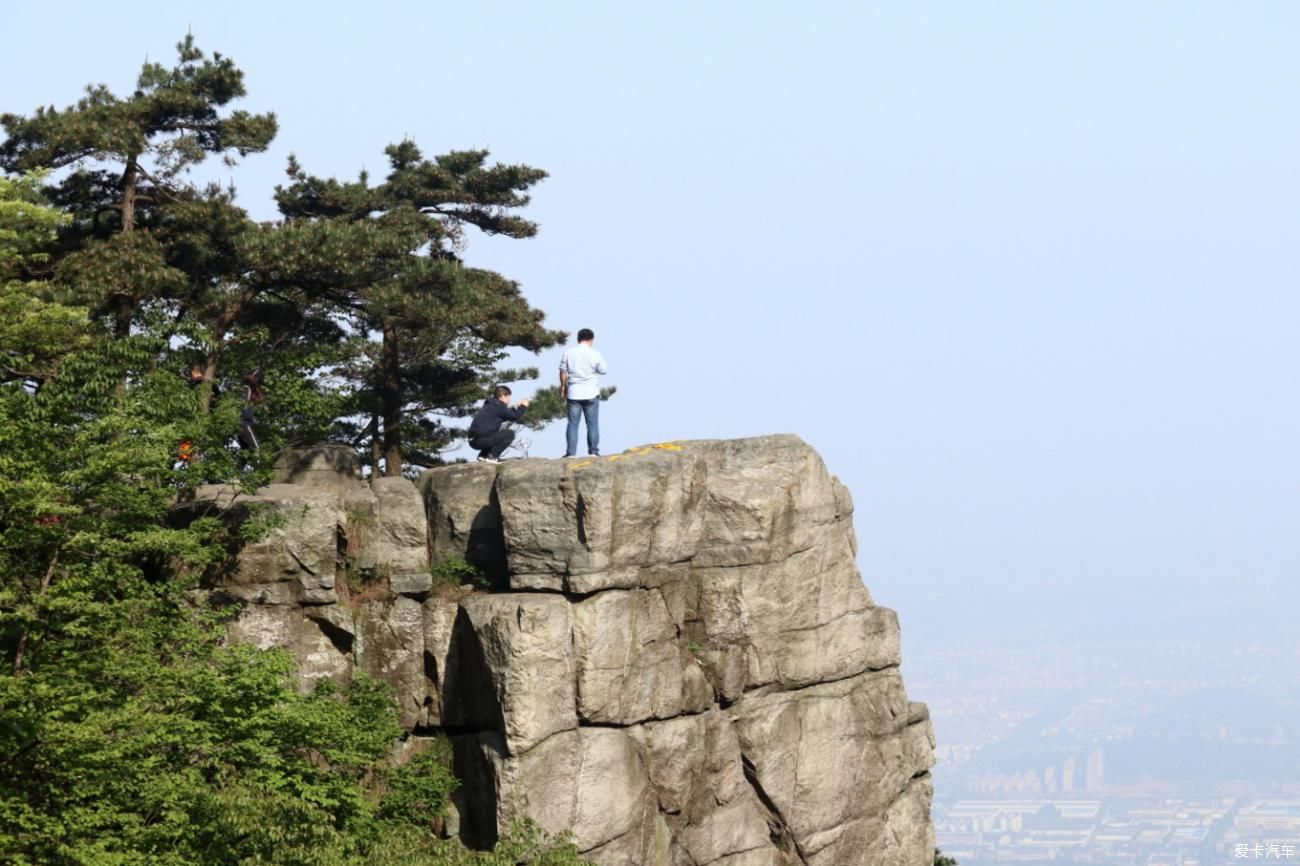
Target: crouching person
point(485, 433)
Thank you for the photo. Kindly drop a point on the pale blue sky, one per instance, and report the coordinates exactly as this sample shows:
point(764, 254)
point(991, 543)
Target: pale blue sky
point(1024, 272)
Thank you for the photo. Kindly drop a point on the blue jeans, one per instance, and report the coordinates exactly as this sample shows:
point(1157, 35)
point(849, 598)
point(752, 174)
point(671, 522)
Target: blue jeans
point(589, 409)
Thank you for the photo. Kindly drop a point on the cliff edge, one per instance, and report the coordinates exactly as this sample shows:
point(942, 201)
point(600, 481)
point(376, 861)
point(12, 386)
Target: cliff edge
point(677, 659)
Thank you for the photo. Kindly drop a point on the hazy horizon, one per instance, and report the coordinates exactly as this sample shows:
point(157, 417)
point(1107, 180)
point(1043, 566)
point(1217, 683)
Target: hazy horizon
point(1023, 273)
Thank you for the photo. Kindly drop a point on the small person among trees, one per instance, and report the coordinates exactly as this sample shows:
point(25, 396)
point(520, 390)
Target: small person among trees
point(247, 418)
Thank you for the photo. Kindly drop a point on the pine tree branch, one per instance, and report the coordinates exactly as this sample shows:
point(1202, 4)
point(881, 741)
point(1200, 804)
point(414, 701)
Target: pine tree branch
point(179, 126)
point(158, 185)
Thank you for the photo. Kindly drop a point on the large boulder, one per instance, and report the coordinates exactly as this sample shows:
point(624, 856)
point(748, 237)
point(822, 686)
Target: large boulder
point(293, 559)
point(584, 526)
point(510, 668)
point(630, 664)
point(391, 646)
point(678, 662)
point(320, 642)
point(439, 628)
point(464, 519)
point(590, 782)
point(832, 759)
point(736, 561)
point(387, 534)
point(335, 468)
point(694, 764)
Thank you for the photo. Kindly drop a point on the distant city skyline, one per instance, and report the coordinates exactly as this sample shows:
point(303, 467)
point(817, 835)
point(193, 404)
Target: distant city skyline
point(1175, 752)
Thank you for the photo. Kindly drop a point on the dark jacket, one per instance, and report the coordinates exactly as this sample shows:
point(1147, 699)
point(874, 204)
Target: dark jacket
point(489, 419)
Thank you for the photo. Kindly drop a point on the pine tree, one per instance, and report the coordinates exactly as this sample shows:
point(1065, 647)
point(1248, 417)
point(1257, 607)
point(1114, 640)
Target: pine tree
point(130, 731)
point(440, 329)
point(160, 254)
point(128, 158)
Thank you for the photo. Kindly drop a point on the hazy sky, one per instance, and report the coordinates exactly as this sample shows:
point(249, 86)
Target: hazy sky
point(1024, 273)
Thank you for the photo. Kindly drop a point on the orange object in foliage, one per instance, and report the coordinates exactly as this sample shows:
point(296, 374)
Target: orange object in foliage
point(186, 451)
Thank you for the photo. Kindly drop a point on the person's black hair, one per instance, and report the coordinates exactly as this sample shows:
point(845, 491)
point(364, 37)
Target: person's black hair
point(500, 391)
point(586, 334)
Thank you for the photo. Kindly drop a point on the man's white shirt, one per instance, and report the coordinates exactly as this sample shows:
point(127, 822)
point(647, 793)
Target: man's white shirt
point(583, 364)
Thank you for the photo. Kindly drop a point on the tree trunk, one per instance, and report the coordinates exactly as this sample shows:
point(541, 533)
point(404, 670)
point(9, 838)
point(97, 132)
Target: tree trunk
point(21, 651)
point(209, 379)
point(123, 304)
point(390, 392)
point(376, 447)
point(220, 327)
point(130, 178)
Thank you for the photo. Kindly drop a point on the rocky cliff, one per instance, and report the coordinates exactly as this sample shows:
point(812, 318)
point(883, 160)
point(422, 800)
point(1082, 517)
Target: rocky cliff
point(672, 653)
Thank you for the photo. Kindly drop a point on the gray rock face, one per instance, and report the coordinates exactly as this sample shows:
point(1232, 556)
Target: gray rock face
point(589, 781)
point(293, 563)
point(630, 664)
point(488, 686)
point(833, 758)
point(391, 647)
point(683, 667)
point(463, 517)
point(695, 766)
point(439, 626)
point(387, 534)
point(321, 646)
point(328, 467)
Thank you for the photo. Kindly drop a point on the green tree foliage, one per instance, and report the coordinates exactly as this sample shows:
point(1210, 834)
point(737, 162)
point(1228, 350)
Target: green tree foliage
point(148, 247)
point(941, 859)
point(128, 732)
point(127, 158)
point(357, 310)
point(548, 404)
point(431, 331)
point(33, 331)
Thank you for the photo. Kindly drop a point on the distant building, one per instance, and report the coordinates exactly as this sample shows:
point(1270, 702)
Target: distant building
point(1067, 775)
point(1094, 772)
point(1269, 815)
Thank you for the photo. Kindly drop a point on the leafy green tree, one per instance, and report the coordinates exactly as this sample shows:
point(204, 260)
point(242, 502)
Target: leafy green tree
point(941, 859)
point(128, 732)
point(432, 331)
point(33, 332)
point(127, 158)
point(183, 262)
point(363, 281)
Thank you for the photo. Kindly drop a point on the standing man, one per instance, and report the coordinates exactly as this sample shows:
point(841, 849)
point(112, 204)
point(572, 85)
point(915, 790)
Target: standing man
point(578, 371)
point(485, 433)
